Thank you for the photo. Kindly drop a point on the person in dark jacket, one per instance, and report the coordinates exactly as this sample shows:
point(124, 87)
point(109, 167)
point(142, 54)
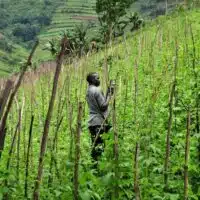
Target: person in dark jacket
point(98, 112)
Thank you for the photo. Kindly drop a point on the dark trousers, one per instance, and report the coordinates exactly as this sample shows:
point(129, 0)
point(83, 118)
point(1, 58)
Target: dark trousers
point(98, 145)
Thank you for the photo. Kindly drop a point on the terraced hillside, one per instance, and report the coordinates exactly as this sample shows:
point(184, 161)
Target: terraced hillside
point(24, 20)
point(11, 55)
point(67, 16)
point(20, 23)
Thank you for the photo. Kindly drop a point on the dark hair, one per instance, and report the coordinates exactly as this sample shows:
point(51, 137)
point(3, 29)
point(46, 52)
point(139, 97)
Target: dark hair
point(90, 77)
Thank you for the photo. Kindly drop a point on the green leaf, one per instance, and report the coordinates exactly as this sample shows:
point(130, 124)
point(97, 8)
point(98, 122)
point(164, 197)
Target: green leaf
point(86, 195)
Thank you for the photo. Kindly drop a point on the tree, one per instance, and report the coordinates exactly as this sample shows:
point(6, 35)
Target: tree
point(81, 37)
point(135, 21)
point(109, 13)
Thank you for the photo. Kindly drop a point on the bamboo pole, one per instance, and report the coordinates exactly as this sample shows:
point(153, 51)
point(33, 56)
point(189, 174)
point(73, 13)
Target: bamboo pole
point(77, 152)
point(187, 153)
point(48, 119)
point(136, 156)
point(115, 150)
point(70, 118)
point(53, 157)
point(196, 90)
point(171, 99)
point(166, 166)
point(27, 159)
point(136, 172)
point(125, 104)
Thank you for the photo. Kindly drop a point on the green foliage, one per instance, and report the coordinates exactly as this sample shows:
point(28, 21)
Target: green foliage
point(110, 11)
point(6, 45)
point(26, 31)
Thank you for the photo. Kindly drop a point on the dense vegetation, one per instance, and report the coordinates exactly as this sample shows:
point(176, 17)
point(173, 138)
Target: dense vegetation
point(24, 19)
point(155, 115)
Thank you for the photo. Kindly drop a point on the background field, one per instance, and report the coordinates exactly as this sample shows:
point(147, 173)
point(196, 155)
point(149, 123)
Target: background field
point(46, 19)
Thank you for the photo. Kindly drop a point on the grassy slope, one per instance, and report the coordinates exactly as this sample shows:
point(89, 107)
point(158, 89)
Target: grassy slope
point(16, 10)
point(67, 16)
point(18, 55)
point(152, 50)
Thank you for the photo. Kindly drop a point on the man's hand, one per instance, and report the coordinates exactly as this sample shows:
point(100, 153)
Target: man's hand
point(110, 91)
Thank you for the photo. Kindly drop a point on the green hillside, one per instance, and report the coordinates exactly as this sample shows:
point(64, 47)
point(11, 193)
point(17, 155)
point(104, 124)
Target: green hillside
point(12, 56)
point(69, 15)
point(21, 22)
point(157, 75)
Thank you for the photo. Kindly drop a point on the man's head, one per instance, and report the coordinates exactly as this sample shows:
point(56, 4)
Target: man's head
point(93, 79)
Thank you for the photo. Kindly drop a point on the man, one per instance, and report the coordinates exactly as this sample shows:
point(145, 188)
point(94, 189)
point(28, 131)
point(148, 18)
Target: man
point(98, 110)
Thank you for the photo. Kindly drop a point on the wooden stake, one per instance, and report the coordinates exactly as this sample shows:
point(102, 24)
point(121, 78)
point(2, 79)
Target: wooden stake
point(172, 94)
point(27, 159)
point(48, 119)
point(116, 150)
point(187, 153)
point(136, 172)
point(77, 151)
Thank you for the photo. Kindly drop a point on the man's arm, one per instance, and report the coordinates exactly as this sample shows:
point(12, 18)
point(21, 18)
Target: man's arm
point(103, 101)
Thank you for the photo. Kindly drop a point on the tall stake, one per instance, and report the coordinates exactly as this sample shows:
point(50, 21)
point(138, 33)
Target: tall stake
point(53, 157)
point(196, 89)
point(70, 118)
point(77, 150)
point(18, 146)
point(10, 101)
point(116, 150)
point(125, 104)
point(48, 119)
point(187, 152)
point(27, 159)
point(136, 173)
point(136, 156)
point(172, 94)
point(166, 166)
